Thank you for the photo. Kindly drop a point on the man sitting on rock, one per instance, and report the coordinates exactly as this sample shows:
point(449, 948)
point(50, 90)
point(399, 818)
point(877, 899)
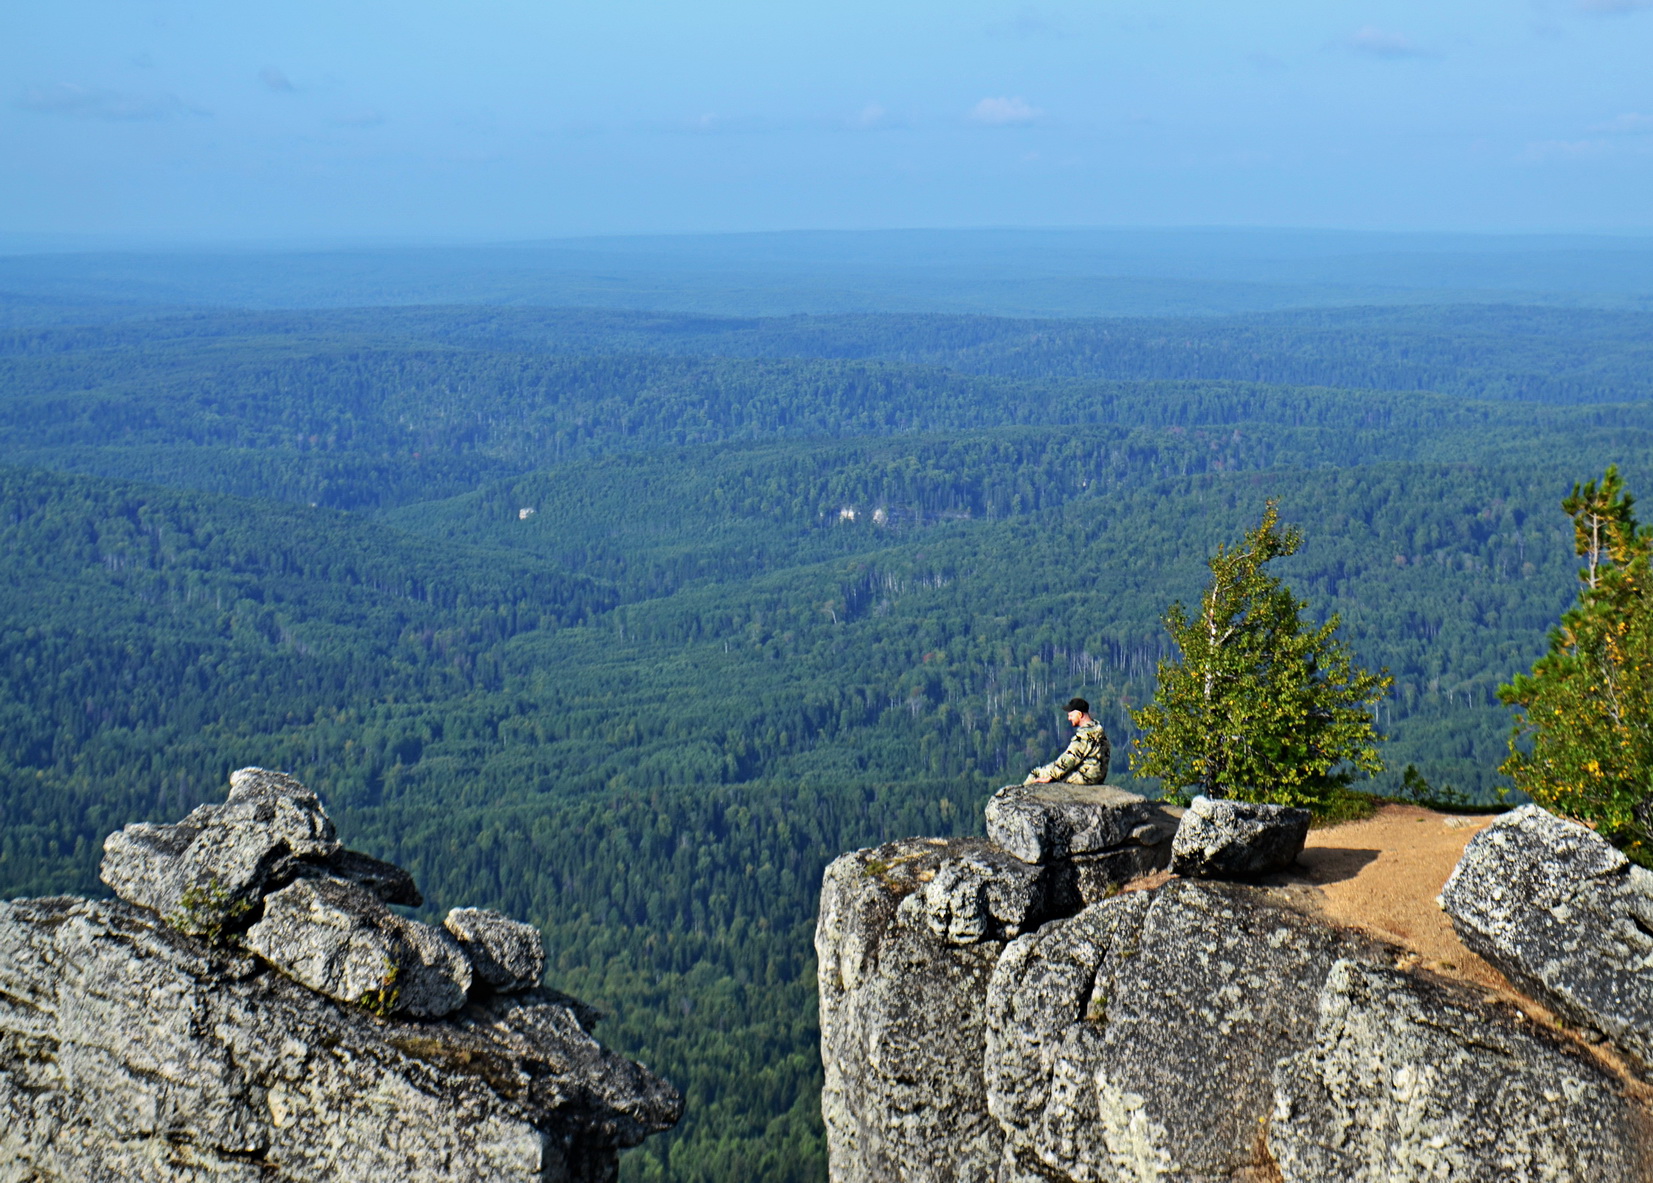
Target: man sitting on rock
point(1086, 760)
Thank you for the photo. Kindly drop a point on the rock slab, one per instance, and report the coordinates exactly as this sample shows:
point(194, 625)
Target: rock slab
point(1222, 839)
point(506, 954)
point(1415, 1079)
point(129, 1051)
point(1047, 823)
point(338, 939)
point(1564, 915)
point(214, 866)
point(903, 974)
point(1137, 1040)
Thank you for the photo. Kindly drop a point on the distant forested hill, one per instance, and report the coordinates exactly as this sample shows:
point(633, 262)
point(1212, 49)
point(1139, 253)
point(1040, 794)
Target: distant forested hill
point(632, 637)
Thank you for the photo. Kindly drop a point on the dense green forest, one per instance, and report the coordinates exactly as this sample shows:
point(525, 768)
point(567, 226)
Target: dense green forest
point(629, 624)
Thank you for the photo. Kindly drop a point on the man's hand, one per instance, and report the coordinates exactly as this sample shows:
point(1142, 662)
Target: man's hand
point(1041, 780)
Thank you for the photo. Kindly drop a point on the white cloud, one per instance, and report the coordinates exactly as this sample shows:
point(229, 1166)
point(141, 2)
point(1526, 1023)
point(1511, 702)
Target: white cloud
point(1547, 150)
point(1381, 43)
point(1004, 112)
point(1612, 7)
point(1629, 123)
point(92, 102)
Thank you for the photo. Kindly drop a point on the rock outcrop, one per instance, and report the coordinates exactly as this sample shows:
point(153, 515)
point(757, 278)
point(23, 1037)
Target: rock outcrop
point(1411, 1078)
point(1158, 1018)
point(1562, 913)
point(901, 1015)
point(507, 954)
point(338, 939)
point(1221, 839)
point(984, 1020)
point(141, 1039)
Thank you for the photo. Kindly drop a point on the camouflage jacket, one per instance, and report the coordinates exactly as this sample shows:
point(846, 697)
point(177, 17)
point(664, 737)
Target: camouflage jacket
point(1086, 760)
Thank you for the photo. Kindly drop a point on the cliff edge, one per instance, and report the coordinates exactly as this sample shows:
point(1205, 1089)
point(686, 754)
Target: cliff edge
point(253, 1009)
point(1217, 1024)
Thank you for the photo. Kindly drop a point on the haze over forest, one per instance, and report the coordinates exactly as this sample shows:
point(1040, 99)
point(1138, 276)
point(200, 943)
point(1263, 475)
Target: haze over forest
point(622, 459)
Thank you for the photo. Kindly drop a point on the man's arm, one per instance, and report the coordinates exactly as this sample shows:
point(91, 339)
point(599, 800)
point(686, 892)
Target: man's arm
point(1077, 749)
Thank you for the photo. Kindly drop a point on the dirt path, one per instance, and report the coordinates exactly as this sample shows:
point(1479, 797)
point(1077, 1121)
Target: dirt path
point(1383, 874)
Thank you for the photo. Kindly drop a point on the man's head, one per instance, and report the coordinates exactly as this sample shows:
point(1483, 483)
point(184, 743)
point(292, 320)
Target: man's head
point(1078, 711)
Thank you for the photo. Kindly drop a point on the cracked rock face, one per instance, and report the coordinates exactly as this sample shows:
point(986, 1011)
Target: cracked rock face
point(338, 939)
point(1047, 823)
point(220, 855)
point(1138, 1039)
point(1413, 1079)
point(1566, 916)
point(507, 954)
point(131, 1052)
point(1221, 839)
point(901, 1020)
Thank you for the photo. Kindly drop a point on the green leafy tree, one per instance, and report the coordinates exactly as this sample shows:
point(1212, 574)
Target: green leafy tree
point(1583, 745)
point(1259, 707)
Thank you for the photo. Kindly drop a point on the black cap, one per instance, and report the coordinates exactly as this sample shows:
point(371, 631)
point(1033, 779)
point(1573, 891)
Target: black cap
point(1079, 704)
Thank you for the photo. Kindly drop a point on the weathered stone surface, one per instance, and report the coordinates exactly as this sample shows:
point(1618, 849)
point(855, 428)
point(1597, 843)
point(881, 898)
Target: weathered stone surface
point(1565, 916)
point(506, 954)
point(1045, 823)
point(1220, 839)
point(337, 938)
point(131, 1052)
point(982, 893)
point(221, 858)
point(1137, 1040)
point(1097, 877)
point(901, 1021)
point(386, 881)
point(1413, 1079)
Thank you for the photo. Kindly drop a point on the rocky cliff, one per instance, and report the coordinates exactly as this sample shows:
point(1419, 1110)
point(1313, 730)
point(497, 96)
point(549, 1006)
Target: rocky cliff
point(252, 1008)
point(986, 1021)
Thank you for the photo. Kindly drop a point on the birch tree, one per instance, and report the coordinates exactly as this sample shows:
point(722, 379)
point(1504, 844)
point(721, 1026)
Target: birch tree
point(1583, 743)
point(1258, 706)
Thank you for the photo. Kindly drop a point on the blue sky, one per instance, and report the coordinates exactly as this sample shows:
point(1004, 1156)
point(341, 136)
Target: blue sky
point(509, 120)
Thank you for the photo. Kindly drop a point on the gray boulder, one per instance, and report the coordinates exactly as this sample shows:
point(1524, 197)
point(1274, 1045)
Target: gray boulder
point(209, 870)
point(129, 1051)
point(1565, 916)
point(507, 955)
point(386, 882)
point(1047, 823)
point(338, 939)
point(901, 1014)
point(1221, 839)
point(1413, 1079)
point(1138, 1039)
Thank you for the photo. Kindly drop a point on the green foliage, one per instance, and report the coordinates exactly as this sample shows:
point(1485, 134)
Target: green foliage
point(1415, 789)
point(208, 910)
point(1257, 707)
point(1583, 745)
point(645, 717)
point(382, 999)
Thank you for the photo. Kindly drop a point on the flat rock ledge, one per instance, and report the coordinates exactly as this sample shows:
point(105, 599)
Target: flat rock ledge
point(251, 1009)
point(1049, 823)
point(1221, 839)
point(1565, 916)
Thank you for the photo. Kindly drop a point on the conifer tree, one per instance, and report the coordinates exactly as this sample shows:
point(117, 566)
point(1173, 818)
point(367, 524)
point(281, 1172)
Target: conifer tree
point(1583, 745)
point(1259, 707)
